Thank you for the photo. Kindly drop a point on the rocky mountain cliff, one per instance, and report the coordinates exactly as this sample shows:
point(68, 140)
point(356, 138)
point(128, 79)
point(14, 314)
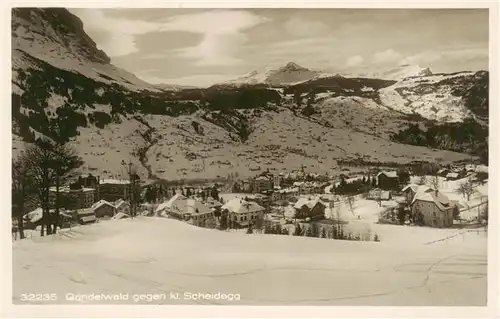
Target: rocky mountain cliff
point(64, 88)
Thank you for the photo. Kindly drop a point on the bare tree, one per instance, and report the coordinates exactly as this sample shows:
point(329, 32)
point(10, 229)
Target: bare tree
point(377, 195)
point(339, 225)
point(466, 188)
point(134, 179)
point(422, 180)
point(350, 199)
point(434, 183)
point(484, 204)
point(39, 158)
point(21, 185)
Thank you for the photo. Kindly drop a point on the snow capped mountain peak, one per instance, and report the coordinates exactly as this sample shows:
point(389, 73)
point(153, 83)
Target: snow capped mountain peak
point(397, 73)
point(289, 74)
point(292, 66)
point(405, 71)
point(253, 73)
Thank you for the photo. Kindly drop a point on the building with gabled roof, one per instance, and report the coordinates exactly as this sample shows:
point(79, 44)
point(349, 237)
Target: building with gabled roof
point(311, 208)
point(122, 206)
point(166, 206)
point(242, 212)
point(411, 190)
point(433, 208)
point(387, 180)
point(104, 208)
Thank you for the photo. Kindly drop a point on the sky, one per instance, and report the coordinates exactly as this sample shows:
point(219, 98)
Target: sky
point(201, 47)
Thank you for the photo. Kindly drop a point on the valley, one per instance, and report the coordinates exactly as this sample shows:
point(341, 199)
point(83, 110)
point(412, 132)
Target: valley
point(65, 89)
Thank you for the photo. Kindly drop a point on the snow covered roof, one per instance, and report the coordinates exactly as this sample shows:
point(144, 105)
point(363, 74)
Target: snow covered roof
point(64, 189)
point(114, 181)
point(481, 169)
point(101, 203)
point(288, 190)
point(88, 218)
point(194, 207)
point(85, 212)
point(240, 206)
point(441, 200)
point(120, 216)
point(391, 174)
point(452, 175)
point(213, 203)
point(310, 203)
point(120, 203)
point(262, 178)
point(34, 216)
point(417, 188)
point(170, 202)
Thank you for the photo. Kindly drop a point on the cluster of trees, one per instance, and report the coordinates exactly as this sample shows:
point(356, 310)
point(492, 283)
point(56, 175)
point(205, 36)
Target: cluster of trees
point(466, 189)
point(367, 183)
point(356, 186)
point(466, 137)
point(336, 232)
point(246, 97)
point(83, 92)
point(339, 85)
point(34, 172)
point(156, 192)
point(313, 230)
point(398, 215)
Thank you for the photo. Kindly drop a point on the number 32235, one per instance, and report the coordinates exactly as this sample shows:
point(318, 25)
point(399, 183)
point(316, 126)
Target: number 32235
point(38, 297)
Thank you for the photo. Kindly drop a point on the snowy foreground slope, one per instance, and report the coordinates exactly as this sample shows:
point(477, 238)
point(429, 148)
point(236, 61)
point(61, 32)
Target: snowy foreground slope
point(160, 256)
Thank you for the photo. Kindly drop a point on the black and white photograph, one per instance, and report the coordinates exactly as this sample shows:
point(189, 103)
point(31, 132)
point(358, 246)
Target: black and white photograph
point(250, 156)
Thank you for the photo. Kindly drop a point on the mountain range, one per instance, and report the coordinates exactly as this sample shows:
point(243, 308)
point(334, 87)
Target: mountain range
point(65, 88)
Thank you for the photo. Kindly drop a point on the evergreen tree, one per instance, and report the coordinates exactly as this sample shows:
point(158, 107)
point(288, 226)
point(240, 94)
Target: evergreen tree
point(149, 195)
point(224, 220)
point(249, 229)
point(401, 215)
point(214, 193)
point(374, 182)
point(278, 230)
point(315, 230)
point(298, 230)
point(376, 238)
point(309, 231)
point(335, 233)
point(268, 229)
point(403, 176)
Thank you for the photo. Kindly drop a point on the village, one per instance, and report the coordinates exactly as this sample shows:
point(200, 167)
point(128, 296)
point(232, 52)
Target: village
point(288, 203)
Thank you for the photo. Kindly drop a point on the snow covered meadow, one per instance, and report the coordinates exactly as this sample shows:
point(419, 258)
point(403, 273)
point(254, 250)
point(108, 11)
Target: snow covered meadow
point(150, 256)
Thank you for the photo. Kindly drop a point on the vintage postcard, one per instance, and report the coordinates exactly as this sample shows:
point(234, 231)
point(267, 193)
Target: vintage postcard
point(250, 156)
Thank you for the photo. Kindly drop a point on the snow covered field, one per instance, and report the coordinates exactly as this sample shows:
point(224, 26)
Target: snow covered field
point(148, 256)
